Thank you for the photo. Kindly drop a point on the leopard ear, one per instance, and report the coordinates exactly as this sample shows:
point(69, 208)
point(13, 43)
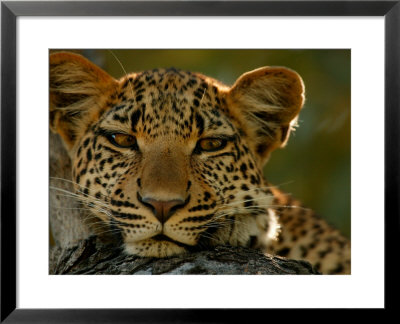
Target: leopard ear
point(78, 90)
point(267, 102)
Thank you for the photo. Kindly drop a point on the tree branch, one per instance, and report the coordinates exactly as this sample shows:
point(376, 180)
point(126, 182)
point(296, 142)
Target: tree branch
point(92, 256)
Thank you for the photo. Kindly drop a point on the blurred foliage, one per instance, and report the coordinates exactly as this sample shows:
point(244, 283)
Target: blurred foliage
point(315, 165)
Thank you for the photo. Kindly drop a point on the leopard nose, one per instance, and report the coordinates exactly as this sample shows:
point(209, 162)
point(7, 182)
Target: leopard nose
point(163, 210)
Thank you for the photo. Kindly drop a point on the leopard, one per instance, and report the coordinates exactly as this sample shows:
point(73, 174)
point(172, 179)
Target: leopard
point(173, 160)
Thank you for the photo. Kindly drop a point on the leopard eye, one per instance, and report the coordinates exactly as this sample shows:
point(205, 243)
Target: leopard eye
point(123, 140)
point(211, 144)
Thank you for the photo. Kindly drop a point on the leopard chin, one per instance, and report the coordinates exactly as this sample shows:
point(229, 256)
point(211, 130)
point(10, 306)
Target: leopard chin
point(159, 246)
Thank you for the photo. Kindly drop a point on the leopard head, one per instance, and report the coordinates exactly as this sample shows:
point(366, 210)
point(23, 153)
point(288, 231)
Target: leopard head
point(173, 159)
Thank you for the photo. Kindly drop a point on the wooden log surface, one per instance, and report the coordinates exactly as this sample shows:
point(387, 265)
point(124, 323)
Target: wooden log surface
point(92, 256)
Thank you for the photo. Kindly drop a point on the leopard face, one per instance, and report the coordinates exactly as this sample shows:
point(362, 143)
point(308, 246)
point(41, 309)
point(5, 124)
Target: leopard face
point(173, 159)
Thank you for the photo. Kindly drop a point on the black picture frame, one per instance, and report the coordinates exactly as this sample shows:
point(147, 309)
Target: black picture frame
point(10, 10)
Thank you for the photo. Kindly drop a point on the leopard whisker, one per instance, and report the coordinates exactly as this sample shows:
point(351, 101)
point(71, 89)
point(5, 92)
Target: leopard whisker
point(281, 206)
point(72, 194)
point(210, 236)
point(221, 219)
point(245, 201)
point(77, 184)
point(260, 189)
point(91, 204)
point(112, 231)
point(123, 69)
point(250, 190)
point(82, 209)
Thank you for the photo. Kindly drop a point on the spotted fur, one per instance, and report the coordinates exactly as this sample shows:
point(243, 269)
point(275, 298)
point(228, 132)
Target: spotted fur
point(165, 193)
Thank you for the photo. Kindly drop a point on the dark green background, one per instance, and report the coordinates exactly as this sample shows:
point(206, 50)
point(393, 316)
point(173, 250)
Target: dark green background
point(315, 165)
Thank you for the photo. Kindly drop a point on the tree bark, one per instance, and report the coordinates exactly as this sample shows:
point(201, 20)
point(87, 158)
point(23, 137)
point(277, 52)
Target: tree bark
point(92, 256)
point(67, 223)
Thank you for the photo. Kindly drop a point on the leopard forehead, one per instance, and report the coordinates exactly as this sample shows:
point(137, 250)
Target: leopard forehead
point(168, 102)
